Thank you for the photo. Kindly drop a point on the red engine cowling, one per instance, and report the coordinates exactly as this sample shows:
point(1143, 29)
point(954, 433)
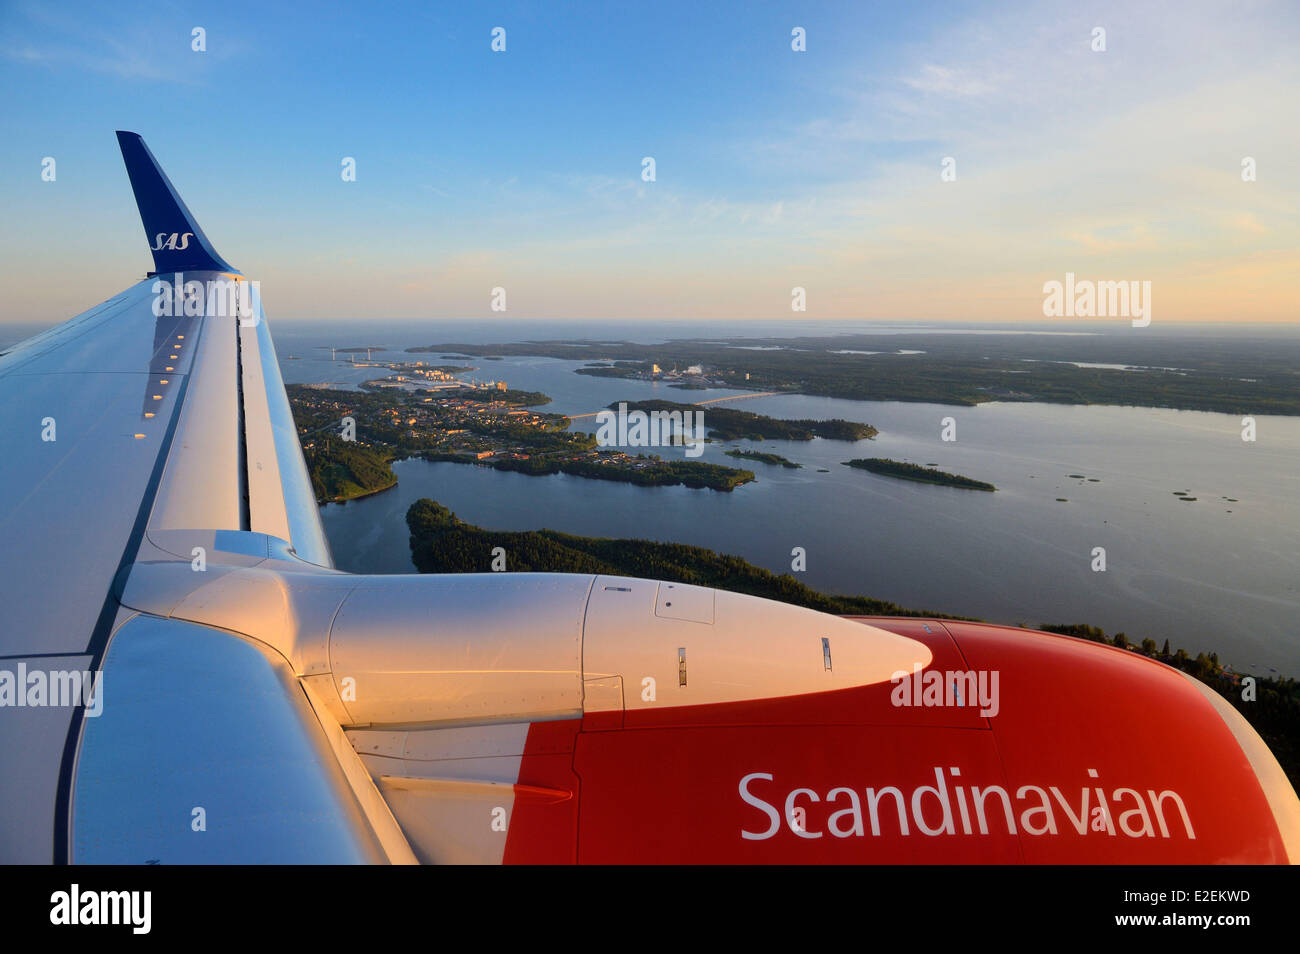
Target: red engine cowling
point(1009, 746)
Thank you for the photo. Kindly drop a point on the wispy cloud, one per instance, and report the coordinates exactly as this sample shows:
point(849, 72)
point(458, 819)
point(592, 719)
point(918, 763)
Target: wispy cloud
point(1065, 157)
point(948, 81)
point(115, 43)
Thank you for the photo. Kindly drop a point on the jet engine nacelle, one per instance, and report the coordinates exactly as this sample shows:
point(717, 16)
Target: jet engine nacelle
point(466, 649)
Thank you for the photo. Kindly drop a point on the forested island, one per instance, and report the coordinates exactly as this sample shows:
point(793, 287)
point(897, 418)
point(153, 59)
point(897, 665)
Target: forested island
point(646, 470)
point(511, 396)
point(619, 369)
point(729, 424)
point(925, 475)
point(442, 543)
point(763, 458)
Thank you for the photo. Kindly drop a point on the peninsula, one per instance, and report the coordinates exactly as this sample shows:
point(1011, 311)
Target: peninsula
point(490, 427)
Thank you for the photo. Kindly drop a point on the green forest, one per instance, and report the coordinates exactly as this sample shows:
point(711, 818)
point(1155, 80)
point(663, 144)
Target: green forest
point(342, 470)
point(511, 396)
point(442, 543)
point(728, 424)
point(664, 473)
point(763, 458)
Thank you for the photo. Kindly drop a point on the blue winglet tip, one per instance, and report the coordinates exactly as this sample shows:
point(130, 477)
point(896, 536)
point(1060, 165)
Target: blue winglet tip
point(175, 239)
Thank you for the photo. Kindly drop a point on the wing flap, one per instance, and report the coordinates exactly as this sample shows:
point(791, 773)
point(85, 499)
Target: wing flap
point(266, 504)
point(201, 484)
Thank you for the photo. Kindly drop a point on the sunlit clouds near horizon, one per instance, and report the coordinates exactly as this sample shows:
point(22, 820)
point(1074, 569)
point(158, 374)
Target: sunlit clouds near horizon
point(774, 168)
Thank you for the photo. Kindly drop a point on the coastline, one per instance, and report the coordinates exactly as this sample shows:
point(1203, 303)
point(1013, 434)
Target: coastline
point(360, 496)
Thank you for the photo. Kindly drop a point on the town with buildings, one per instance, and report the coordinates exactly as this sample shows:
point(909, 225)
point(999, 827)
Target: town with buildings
point(350, 437)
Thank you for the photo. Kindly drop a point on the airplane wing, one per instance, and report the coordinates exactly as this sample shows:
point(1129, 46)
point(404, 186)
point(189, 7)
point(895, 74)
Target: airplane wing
point(184, 676)
point(125, 426)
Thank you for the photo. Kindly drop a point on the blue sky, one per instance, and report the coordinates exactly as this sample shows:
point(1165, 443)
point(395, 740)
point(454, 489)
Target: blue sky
point(522, 169)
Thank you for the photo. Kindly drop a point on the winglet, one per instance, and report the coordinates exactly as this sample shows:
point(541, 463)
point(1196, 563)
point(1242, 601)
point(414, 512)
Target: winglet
point(177, 242)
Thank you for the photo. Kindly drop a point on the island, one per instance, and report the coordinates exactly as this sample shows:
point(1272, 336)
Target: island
point(729, 424)
point(620, 369)
point(510, 396)
point(646, 470)
point(925, 475)
point(763, 458)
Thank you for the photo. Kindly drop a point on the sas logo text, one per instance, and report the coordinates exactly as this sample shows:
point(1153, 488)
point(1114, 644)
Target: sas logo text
point(175, 241)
